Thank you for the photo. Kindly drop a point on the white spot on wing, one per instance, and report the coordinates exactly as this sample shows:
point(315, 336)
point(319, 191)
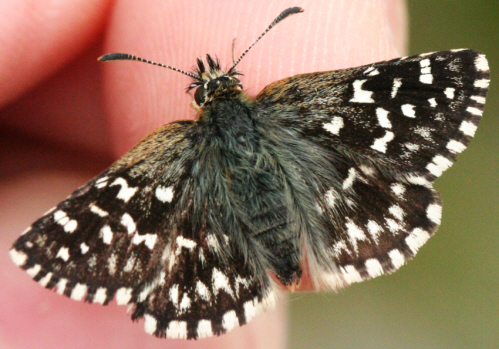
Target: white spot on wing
point(397, 258)
point(229, 320)
point(419, 180)
point(150, 324)
point(424, 63)
point(148, 239)
point(186, 243)
point(411, 146)
point(426, 78)
point(382, 115)
point(212, 241)
point(438, 165)
point(61, 217)
point(101, 182)
point(434, 213)
point(360, 95)
point(481, 63)
point(474, 111)
point(164, 194)
point(367, 170)
point(125, 192)
point(478, 99)
point(128, 222)
point(397, 212)
point(397, 82)
point(84, 248)
point(203, 291)
point(380, 144)
point(185, 304)
point(408, 110)
point(18, 257)
point(34, 270)
point(79, 292)
point(98, 211)
point(339, 247)
point(398, 189)
point(100, 295)
point(112, 260)
point(221, 282)
point(61, 286)
point(483, 83)
point(393, 226)
point(45, 280)
point(330, 197)
point(63, 254)
point(177, 329)
point(130, 264)
point(373, 267)
point(204, 329)
point(71, 226)
point(449, 92)
point(433, 102)
point(123, 295)
point(374, 229)
point(416, 239)
point(350, 274)
point(455, 146)
point(355, 233)
point(335, 125)
point(350, 179)
point(174, 295)
point(368, 70)
point(107, 234)
point(468, 128)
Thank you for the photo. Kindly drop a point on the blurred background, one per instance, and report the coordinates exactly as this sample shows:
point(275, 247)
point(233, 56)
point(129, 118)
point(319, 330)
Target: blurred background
point(448, 296)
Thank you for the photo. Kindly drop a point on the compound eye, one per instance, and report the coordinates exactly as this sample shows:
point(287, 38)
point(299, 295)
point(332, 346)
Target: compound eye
point(199, 96)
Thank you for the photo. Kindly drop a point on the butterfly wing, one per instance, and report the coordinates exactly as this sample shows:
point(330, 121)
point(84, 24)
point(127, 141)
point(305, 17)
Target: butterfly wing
point(413, 113)
point(146, 232)
point(393, 127)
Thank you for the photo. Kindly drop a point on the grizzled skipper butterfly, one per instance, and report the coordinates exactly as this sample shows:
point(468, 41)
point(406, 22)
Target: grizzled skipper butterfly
point(333, 167)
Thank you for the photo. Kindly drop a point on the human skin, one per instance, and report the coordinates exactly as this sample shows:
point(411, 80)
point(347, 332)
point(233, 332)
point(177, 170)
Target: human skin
point(65, 116)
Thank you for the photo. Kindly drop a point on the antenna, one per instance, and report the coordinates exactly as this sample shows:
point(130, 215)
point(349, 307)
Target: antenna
point(129, 57)
point(283, 15)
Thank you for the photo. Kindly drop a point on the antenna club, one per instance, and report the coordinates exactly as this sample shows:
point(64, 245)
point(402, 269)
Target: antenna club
point(115, 57)
point(287, 12)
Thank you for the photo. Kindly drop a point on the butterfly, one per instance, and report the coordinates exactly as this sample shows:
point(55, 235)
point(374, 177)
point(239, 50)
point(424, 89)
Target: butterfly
point(198, 226)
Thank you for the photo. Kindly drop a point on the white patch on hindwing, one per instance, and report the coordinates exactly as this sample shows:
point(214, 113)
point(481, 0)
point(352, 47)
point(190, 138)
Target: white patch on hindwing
point(381, 144)
point(335, 125)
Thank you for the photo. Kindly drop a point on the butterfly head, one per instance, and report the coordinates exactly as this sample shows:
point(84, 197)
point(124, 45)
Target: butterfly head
point(212, 82)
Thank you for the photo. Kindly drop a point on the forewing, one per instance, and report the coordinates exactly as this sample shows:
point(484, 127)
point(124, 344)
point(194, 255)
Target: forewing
point(413, 114)
point(140, 231)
